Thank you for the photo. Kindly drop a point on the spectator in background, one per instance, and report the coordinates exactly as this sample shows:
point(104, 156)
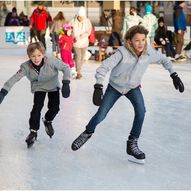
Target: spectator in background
point(12, 18)
point(180, 27)
point(23, 19)
point(150, 22)
point(57, 25)
point(164, 37)
point(81, 31)
point(131, 20)
point(38, 22)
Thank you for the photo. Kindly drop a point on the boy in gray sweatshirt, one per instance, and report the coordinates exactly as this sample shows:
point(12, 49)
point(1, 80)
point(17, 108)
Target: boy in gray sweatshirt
point(127, 67)
point(42, 72)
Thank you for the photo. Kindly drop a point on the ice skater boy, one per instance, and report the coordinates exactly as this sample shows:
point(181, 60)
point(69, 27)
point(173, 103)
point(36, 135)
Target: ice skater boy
point(42, 72)
point(127, 67)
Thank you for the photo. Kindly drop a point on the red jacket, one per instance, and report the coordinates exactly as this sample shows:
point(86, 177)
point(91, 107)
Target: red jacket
point(39, 19)
point(66, 42)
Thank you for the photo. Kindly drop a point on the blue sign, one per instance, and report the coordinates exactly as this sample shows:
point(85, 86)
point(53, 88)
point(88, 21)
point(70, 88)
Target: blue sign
point(15, 37)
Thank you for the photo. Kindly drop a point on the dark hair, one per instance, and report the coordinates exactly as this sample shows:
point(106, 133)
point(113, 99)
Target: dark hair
point(59, 16)
point(132, 10)
point(161, 20)
point(179, 2)
point(14, 9)
point(134, 30)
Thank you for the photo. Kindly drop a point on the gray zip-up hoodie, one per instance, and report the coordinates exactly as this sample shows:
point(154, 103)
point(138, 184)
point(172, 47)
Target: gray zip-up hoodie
point(127, 69)
point(46, 80)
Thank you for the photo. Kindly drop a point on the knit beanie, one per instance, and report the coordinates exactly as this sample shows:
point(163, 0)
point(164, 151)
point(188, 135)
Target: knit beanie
point(148, 9)
point(82, 12)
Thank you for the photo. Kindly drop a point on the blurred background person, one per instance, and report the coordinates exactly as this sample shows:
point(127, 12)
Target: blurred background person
point(57, 25)
point(131, 20)
point(38, 22)
point(81, 31)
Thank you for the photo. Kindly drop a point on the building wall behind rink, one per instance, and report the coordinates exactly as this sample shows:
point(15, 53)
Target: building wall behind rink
point(93, 13)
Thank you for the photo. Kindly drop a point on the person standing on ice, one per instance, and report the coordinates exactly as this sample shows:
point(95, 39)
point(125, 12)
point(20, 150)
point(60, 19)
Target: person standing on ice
point(150, 22)
point(42, 72)
point(127, 67)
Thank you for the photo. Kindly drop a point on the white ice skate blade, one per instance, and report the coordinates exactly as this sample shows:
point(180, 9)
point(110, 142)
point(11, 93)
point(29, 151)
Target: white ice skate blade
point(138, 161)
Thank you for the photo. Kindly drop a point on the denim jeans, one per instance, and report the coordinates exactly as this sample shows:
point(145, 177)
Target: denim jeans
point(110, 97)
point(55, 45)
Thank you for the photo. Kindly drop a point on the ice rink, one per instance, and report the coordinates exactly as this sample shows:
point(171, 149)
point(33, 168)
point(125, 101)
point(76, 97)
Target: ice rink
point(102, 163)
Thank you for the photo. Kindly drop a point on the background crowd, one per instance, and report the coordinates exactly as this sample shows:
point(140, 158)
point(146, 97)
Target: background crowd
point(71, 38)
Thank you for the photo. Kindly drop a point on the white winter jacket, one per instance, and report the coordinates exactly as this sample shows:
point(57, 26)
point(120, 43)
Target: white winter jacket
point(81, 32)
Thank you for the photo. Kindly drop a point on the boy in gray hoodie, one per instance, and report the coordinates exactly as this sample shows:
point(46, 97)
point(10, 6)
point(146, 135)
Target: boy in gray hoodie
point(127, 67)
point(42, 72)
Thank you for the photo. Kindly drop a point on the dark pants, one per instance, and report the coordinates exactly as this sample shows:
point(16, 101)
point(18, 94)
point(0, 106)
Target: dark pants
point(170, 51)
point(109, 99)
point(188, 46)
point(179, 42)
point(53, 108)
point(41, 36)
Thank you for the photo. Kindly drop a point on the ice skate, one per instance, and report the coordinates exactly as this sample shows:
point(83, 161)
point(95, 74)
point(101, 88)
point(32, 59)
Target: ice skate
point(31, 138)
point(48, 127)
point(83, 138)
point(134, 153)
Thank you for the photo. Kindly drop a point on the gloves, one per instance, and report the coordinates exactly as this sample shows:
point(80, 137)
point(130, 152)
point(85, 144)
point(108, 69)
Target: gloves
point(3, 93)
point(98, 94)
point(177, 82)
point(65, 88)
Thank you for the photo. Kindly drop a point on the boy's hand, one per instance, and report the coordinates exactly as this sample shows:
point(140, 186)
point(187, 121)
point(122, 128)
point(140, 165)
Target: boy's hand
point(65, 88)
point(177, 82)
point(98, 94)
point(3, 93)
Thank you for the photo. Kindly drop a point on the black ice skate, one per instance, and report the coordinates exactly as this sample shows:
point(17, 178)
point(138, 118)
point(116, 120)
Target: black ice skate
point(31, 138)
point(48, 127)
point(135, 154)
point(80, 140)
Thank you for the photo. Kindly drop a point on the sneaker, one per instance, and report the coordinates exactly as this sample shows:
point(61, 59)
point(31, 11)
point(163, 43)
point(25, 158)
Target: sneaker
point(171, 58)
point(48, 127)
point(83, 138)
point(78, 76)
point(181, 58)
point(74, 73)
point(135, 154)
point(31, 138)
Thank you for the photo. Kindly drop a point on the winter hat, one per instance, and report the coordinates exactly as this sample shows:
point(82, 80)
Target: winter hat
point(82, 11)
point(14, 9)
point(148, 9)
point(161, 20)
point(67, 27)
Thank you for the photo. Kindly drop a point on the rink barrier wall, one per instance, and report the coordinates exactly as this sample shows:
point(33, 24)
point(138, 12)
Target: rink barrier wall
point(19, 36)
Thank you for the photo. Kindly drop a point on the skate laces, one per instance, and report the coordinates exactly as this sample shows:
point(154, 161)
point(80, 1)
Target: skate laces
point(134, 147)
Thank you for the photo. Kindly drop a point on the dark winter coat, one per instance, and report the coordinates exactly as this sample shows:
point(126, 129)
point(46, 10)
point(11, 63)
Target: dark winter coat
point(163, 33)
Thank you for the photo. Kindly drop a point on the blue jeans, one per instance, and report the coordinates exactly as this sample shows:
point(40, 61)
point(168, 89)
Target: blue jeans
point(55, 45)
point(110, 97)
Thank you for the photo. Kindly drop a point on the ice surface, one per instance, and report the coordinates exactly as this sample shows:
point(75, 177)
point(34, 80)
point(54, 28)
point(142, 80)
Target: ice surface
point(102, 163)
